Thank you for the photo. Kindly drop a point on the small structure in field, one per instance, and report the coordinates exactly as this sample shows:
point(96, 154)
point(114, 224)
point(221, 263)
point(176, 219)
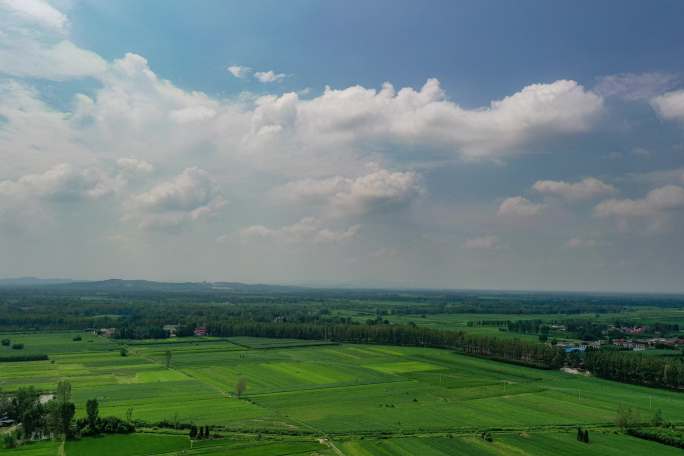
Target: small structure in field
point(200, 331)
point(171, 329)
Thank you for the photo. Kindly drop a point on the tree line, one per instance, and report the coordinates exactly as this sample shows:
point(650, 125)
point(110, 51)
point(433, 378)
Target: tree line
point(510, 350)
point(640, 369)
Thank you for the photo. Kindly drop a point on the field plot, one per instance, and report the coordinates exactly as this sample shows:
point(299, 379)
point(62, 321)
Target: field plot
point(540, 444)
point(288, 447)
point(416, 397)
point(460, 393)
point(34, 449)
point(265, 342)
point(48, 343)
point(127, 445)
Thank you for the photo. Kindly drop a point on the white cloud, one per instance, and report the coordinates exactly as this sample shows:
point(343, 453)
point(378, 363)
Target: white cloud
point(308, 229)
point(269, 76)
point(190, 196)
point(134, 166)
point(635, 86)
point(378, 191)
point(426, 119)
point(64, 182)
point(482, 243)
point(657, 201)
point(239, 71)
point(518, 206)
point(34, 43)
point(37, 11)
point(192, 114)
point(587, 188)
point(58, 62)
point(670, 106)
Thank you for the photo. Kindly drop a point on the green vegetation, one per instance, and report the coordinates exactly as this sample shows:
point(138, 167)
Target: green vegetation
point(355, 373)
point(409, 395)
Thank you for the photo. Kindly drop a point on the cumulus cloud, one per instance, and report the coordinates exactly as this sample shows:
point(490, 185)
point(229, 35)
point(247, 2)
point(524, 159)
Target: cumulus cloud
point(308, 229)
point(657, 201)
point(134, 166)
point(587, 188)
point(190, 196)
point(36, 11)
point(670, 106)
point(239, 71)
point(518, 206)
point(635, 86)
point(34, 43)
point(426, 118)
point(269, 76)
point(482, 243)
point(378, 191)
point(192, 114)
point(64, 182)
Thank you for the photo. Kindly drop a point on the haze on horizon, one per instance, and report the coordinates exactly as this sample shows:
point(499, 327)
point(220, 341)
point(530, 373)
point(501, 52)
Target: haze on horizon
point(463, 145)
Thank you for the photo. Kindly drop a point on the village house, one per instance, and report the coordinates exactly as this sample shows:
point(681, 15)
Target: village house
point(171, 329)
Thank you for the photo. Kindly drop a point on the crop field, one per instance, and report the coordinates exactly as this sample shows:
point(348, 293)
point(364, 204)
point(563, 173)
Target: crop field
point(459, 321)
point(536, 444)
point(420, 400)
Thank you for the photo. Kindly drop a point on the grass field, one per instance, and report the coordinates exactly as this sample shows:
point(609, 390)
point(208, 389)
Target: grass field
point(459, 321)
point(415, 397)
point(539, 444)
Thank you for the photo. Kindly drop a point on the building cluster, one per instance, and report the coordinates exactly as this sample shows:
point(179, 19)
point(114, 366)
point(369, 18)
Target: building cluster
point(627, 344)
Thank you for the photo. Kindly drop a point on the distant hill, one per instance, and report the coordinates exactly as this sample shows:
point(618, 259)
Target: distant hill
point(31, 281)
point(123, 285)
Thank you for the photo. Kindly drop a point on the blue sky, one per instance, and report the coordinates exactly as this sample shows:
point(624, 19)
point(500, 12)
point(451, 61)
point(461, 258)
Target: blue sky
point(479, 144)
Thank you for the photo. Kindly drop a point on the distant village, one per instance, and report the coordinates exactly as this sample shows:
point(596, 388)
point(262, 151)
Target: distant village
point(638, 341)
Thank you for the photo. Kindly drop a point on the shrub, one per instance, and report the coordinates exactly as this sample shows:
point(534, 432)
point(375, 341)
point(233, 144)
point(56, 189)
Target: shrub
point(19, 358)
point(664, 436)
point(5, 342)
point(18, 346)
point(9, 440)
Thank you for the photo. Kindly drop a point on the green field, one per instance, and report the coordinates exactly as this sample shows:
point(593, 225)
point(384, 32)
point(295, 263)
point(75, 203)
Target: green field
point(420, 400)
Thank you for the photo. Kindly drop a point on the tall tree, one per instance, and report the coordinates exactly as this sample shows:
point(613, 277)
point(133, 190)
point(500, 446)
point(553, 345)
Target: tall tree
point(63, 391)
point(241, 386)
point(93, 411)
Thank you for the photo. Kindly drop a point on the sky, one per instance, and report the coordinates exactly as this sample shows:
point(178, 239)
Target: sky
point(445, 144)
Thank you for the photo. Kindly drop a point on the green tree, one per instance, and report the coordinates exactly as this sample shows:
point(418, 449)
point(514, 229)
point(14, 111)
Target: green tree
point(61, 411)
point(658, 419)
point(23, 400)
point(93, 411)
point(167, 359)
point(241, 386)
point(33, 420)
point(63, 391)
point(67, 410)
point(627, 417)
point(9, 440)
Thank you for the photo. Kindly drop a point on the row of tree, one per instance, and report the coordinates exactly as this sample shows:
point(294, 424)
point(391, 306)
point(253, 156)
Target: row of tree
point(510, 350)
point(640, 369)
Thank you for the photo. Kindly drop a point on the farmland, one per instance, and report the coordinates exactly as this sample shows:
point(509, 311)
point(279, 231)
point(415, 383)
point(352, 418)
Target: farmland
point(358, 399)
